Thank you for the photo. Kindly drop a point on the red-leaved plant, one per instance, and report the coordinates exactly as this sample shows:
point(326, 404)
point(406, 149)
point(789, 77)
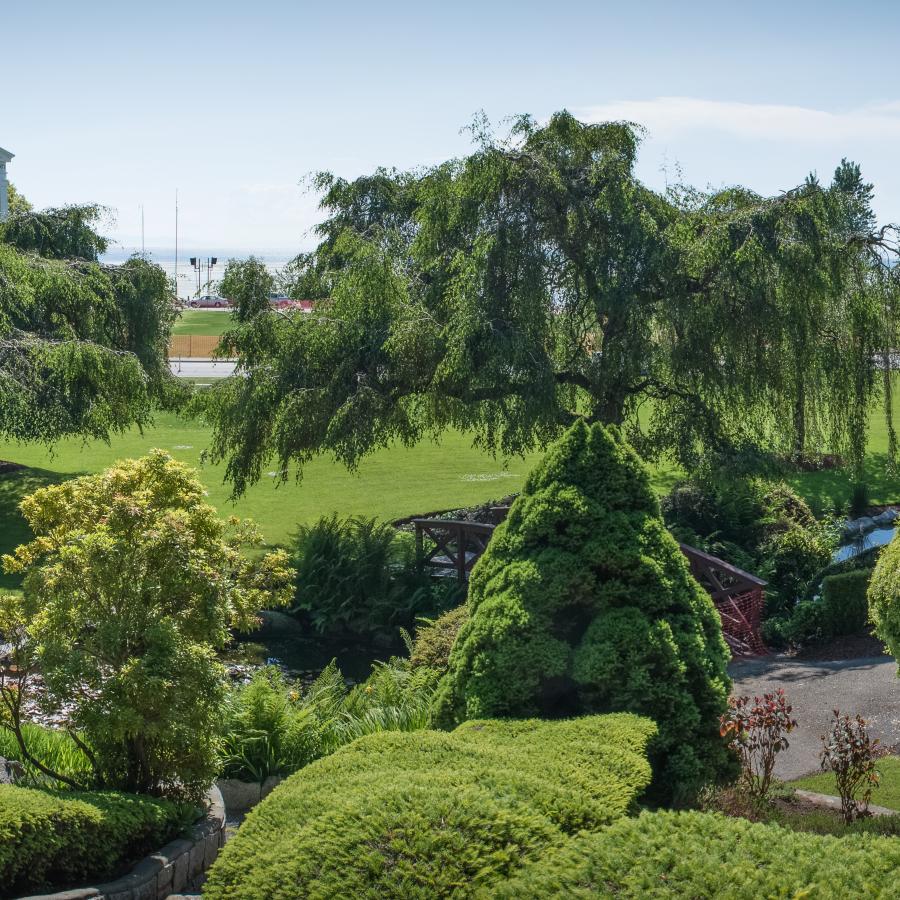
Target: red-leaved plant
point(849, 752)
point(757, 733)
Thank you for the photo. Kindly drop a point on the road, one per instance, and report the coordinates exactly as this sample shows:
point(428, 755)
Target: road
point(201, 368)
point(868, 686)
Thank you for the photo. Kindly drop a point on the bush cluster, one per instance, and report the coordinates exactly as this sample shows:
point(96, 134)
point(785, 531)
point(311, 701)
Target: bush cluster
point(759, 525)
point(583, 603)
point(692, 854)
point(432, 814)
point(58, 838)
point(359, 577)
point(884, 597)
point(842, 609)
point(131, 584)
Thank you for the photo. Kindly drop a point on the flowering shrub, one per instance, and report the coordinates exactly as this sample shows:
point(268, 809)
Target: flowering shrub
point(850, 753)
point(757, 733)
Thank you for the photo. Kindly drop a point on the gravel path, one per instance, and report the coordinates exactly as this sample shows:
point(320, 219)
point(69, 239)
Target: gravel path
point(868, 686)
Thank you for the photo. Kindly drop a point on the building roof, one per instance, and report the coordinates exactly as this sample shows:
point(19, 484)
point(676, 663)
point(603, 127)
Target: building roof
point(5, 155)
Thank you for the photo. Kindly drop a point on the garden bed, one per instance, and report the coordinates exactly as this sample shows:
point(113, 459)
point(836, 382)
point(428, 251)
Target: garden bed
point(167, 870)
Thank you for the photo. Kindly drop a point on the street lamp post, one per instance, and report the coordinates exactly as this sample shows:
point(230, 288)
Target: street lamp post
point(197, 265)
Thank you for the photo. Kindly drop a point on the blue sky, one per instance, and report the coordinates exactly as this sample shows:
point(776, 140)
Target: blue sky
point(121, 103)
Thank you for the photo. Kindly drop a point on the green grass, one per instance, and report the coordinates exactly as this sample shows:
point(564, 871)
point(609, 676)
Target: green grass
point(886, 794)
point(390, 484)
point(202, 321)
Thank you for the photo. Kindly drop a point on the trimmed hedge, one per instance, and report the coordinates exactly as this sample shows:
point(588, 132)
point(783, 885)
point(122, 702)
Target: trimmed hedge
point(691, 854)
point(843, 608)
point(583, 603)
point(430, 814)
point(845, 605)
point(61, 838)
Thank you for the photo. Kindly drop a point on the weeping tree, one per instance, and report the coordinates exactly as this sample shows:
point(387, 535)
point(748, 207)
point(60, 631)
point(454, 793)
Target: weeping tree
point(82, 346)
point(536, 280)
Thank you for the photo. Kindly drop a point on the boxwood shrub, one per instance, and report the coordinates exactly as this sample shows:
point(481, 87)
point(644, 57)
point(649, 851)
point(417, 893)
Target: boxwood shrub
point(431, 814)
point(844, 601)
point(62, 838)
point(690, 854)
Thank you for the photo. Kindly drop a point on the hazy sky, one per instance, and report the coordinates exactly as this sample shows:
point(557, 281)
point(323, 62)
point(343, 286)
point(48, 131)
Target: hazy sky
point(233, 103)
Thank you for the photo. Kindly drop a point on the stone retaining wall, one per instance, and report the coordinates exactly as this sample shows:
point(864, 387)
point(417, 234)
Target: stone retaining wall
point(167, 871)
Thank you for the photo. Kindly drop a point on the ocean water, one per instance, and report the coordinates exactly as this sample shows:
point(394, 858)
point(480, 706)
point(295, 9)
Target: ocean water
point(187, 276)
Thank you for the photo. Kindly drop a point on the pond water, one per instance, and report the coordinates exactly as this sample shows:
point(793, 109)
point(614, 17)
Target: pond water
point(877, 538)
point(308, 656)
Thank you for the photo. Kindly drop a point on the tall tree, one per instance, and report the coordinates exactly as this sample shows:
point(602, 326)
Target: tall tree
point(536, 280)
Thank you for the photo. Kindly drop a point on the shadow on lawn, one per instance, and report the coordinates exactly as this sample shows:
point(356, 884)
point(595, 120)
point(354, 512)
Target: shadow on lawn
point(14, 530)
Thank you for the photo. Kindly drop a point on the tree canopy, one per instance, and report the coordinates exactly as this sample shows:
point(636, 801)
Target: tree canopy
point(82, 345)
point(536, 280)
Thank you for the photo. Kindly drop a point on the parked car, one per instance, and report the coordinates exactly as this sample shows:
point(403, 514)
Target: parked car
point(209, 301)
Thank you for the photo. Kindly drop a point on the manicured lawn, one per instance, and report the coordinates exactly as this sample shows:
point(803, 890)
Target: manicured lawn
point(390, 484)
point(202, 321)
point(886, 794)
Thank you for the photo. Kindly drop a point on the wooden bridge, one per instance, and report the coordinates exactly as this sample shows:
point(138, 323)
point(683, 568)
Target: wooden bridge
point(455, 545)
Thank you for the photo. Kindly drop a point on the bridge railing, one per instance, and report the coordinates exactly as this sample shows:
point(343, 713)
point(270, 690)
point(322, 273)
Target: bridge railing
point(455, 545)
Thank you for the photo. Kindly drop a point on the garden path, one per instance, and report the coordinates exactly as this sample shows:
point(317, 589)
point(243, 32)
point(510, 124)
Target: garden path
point(867, 685)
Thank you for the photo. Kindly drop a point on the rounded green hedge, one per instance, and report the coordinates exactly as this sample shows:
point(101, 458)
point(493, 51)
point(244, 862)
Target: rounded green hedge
point(429, 814)
point(690, 854)
point(61, 838)
point(884, 597)
point(583, 603)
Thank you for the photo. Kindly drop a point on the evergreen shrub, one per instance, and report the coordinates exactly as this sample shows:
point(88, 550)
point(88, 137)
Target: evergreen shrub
point(884, 597)
point(584, 603)
point(433, 814)
point(691, 854)
point(64, 837)
point(434, 640)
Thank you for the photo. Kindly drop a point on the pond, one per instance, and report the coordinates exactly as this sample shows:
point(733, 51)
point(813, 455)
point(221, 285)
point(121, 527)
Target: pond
point(876, 538)
point(286, 643)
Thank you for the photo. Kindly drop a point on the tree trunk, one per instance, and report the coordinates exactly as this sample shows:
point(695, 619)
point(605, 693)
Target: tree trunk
point(889, 411)
point(800, 422)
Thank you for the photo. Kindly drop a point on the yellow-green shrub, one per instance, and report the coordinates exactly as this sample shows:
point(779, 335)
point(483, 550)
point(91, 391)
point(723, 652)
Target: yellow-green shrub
point(61, 838)
point(429, 814)
point(435, 640)
point(690, 854)
point(884, 597)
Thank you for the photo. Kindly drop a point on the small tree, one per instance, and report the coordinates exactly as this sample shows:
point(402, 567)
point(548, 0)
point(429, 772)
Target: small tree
point(583, 603)
point(757, 733)
point(131, 584)
point(849, 752)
